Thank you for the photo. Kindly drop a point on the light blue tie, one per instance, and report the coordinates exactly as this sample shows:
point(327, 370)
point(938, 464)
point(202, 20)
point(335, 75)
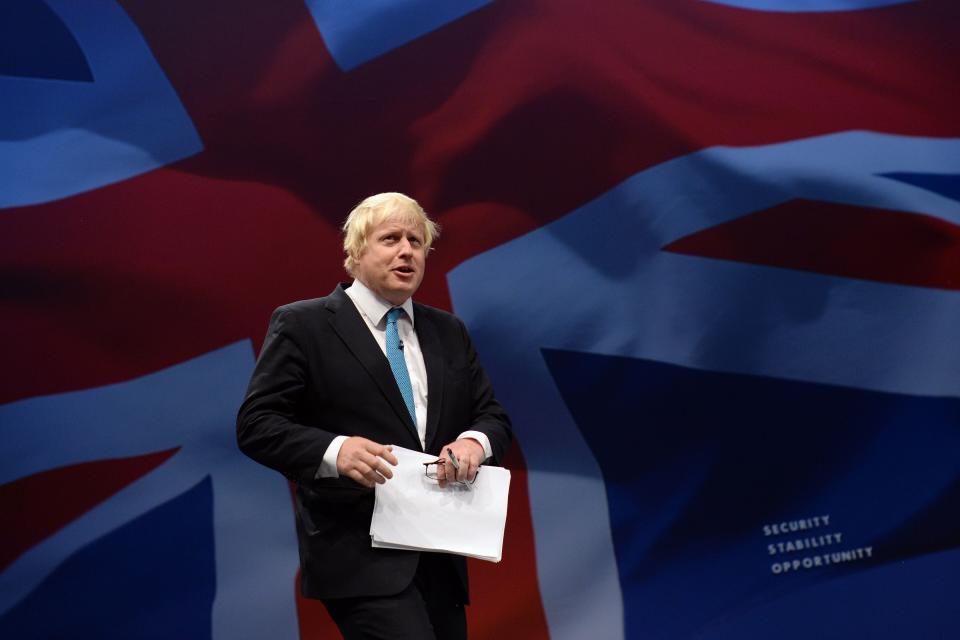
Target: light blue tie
point(397, 364)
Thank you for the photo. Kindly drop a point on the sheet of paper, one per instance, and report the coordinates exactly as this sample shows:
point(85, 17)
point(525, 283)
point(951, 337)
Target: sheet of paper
point(413, 512)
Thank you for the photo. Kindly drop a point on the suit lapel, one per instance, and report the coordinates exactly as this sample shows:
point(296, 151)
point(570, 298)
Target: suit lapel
point(433, 361)
point(352, 329)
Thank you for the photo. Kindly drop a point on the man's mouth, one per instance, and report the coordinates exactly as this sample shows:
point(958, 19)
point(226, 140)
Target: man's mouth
point(404, 270)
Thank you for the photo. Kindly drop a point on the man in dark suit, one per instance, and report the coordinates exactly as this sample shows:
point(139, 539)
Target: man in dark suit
point(339, 380)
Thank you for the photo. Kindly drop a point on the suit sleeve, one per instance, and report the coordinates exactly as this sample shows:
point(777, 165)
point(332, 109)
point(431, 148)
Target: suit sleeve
point(267, 424)
point(489, 416)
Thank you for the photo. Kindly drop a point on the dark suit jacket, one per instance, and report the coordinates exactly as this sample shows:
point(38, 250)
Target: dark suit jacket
point(321, 374)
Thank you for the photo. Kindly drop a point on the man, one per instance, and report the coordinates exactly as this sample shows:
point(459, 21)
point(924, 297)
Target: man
point(339, 380)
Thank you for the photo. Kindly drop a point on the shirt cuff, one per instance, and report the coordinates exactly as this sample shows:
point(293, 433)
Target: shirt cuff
point(481, 438)
point(328, 468)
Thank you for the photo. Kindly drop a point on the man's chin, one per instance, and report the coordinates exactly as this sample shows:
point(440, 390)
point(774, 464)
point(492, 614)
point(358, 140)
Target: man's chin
point(401, 291)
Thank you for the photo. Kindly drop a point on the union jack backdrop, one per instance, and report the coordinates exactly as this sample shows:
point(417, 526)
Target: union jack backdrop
point(709, 252)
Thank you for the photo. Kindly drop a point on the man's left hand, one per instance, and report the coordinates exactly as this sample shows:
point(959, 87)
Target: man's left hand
point(469, 454)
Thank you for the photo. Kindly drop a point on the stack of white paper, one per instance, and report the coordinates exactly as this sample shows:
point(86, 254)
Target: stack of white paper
point(413, 512)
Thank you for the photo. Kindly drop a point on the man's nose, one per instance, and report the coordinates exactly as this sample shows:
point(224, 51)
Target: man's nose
point(405, 246)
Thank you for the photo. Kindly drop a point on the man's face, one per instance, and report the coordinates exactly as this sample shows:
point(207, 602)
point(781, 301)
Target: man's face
point(392, 263)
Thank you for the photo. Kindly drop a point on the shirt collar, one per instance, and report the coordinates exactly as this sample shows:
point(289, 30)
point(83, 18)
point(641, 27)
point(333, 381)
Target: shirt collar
point(372, 305)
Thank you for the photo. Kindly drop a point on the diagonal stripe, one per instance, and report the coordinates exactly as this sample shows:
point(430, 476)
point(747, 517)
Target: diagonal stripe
point(362, 30)
point(623, 295)
point(838, 239)
point(58, 139)
point(75, 489)
point(155, 576)
point(946, 184)
point(35, 43)
point(191, 406)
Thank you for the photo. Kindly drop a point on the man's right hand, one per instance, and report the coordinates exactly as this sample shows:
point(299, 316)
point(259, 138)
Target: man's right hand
point(364, 461)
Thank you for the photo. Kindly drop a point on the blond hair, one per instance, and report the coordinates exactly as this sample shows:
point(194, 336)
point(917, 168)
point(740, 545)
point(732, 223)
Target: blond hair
point(374, 210)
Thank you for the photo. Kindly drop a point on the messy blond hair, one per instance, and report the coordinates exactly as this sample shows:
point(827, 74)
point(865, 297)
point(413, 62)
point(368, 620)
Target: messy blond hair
point(374, 210)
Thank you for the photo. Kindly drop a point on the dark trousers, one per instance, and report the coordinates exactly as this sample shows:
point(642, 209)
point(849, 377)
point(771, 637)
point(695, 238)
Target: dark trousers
point(429, 608)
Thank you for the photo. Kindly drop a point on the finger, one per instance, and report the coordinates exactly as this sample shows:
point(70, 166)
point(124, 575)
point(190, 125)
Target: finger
point(382, 451)
point(382, 469)
point(359, 478)
point(373, 472)
point(362, 468)
point(384, 454)
point(360, 454)
point(389, 457)
point(372, 448)
point(457, 474)
point(370, 472)
point(475, 467)
point(369, 459)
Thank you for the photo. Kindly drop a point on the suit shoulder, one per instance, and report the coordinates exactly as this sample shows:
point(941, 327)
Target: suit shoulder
point(304, 313)
point(299, 307)
point(438, 316)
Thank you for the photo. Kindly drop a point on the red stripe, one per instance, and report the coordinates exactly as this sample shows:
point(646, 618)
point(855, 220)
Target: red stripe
point(506, 596)
point(838, 239)
point(37, 506)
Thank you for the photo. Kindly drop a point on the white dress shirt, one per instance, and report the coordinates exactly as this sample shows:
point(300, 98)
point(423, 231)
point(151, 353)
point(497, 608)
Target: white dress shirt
point(373, 309)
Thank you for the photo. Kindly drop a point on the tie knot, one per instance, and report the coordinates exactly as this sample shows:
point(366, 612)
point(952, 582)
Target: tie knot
point(393, 315)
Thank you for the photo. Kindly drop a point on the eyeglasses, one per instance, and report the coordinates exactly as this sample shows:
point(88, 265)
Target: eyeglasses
point(430, 469)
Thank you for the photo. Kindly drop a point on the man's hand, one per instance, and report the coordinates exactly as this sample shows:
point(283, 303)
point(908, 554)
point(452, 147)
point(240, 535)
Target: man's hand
point(469, 454)
point(364, 461)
